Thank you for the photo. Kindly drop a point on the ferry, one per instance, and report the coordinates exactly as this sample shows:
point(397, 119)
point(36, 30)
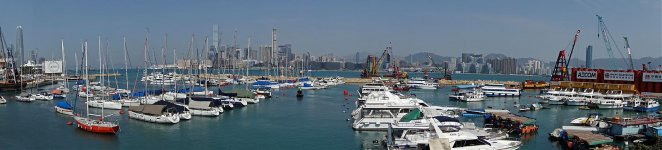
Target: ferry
point(613, 99)
point(496, 90)
point(583, 98)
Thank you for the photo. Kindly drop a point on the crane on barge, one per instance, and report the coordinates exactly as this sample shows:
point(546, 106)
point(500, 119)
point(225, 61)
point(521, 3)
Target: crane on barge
point(561, 68)
point(374, 64)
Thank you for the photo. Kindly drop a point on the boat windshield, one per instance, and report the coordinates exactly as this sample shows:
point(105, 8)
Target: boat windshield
point(467, 143)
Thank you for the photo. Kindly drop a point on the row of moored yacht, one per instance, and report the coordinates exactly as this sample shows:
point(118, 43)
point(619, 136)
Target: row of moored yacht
point(412, 123)
point(608, 99)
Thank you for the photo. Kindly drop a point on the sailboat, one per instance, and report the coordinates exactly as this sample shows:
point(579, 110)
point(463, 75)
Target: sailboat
point(62, 90)
point(128, 101)
point(64, 107)
point(100, 102)
point(94, 125)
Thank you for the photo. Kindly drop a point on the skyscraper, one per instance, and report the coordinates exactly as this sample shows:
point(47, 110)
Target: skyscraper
point(19, 43)
point(589, 56)
point(356, 60)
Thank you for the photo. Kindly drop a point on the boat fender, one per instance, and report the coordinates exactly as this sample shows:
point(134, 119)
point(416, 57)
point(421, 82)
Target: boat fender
point(70, 123)
point(121, 112)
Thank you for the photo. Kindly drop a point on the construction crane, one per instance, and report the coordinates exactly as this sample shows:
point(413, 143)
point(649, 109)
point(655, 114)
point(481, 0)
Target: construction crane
point(608, 39)
point(627, 47)
point(11, 74)
point(561, 68)
point(374, 64)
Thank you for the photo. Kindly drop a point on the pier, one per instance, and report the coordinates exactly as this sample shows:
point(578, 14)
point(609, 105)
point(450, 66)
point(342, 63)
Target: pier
point(592, 139)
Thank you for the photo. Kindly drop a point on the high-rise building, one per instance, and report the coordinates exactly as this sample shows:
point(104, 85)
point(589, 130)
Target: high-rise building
point(534, 67)
point(19, 44)
point(504, 65)
point(265, 54)
point(356, 60)
point(589, 56)
point(285, 52)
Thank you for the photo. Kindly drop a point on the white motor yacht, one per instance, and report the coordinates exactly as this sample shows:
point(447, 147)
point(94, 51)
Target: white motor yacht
point(496, 90)
point(473, 96)
point(438, 135)
point(613, 99)
point(583, 98)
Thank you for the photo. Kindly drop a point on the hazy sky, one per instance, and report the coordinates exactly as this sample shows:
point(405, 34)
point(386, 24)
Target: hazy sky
point(521, 28)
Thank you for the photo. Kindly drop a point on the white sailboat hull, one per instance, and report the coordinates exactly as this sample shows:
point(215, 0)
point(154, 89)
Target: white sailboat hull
point(211, 112)
point(129, 102)
point(186, 115)
point(104, 104)
point(169, 119)
point(64, 111)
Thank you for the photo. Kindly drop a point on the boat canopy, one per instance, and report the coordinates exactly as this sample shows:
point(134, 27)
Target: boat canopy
point(244, 93)
point(304, 79)
point(307, 85)
point(230, 94)
point(413, 115)
point(214, 102)
point(171, 106)
point(148, 109)
point(195, 89)
point(64, 105)
point(446, 119)
point(144, 93)
point(199, 104)
point(116, 96)
point(24, 94)
point(262, 83)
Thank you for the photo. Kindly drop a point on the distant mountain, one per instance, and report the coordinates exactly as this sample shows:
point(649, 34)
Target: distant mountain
point(604, 63)
point(422, 58)
point(495, 56)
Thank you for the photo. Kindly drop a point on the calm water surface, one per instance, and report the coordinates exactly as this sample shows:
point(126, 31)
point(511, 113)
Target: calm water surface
point(318, 121)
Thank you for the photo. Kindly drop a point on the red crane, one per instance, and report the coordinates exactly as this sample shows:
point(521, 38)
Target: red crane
point(561, 68)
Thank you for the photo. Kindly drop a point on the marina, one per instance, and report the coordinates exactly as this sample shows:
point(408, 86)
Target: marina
point(331, 75)
point(318, 111)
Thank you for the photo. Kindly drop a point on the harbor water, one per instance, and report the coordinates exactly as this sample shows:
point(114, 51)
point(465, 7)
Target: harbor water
point(319, 120)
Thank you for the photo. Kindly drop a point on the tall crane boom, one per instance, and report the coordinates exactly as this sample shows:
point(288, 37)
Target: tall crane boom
point(627, 47)
point(574, 42)
point(608, 39)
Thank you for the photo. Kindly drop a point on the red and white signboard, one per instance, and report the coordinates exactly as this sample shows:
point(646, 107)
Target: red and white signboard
point(619, 76)
point(652, 77)
point(586, 74)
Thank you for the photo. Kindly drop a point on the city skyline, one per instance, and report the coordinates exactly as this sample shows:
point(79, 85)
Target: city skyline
point(443, 28)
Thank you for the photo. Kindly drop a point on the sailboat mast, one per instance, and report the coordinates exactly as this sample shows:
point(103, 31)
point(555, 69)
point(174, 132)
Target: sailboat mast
point(174, 68)
point(100, 69)
point(204, 65)
point(64, 63)
point(248, 54)
point(126, 65)
point(87, 83)
point(145, 65)
point(190, 64)
point(165, 46)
